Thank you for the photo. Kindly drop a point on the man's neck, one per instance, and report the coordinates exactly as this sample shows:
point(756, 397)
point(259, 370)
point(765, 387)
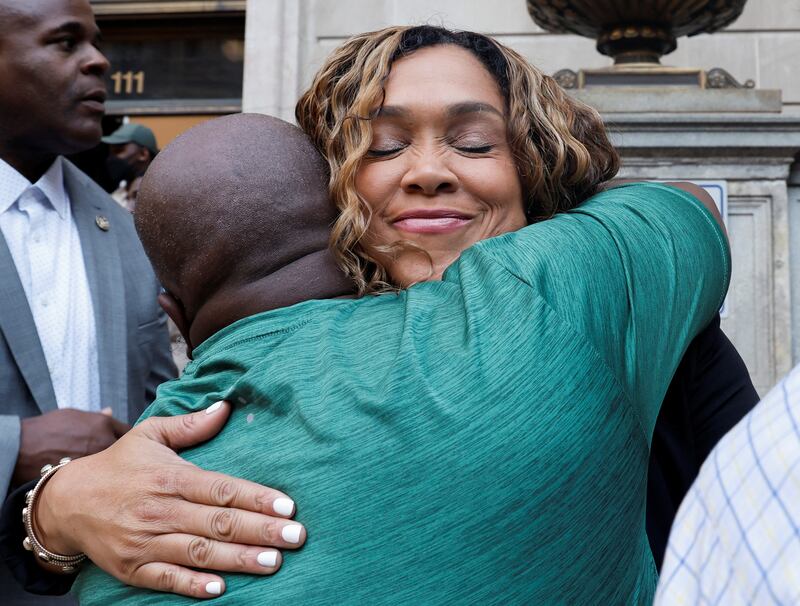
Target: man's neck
point(315, 276)
point(29, 163)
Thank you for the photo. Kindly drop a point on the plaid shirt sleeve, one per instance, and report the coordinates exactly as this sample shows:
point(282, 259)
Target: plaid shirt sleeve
point(736, 538)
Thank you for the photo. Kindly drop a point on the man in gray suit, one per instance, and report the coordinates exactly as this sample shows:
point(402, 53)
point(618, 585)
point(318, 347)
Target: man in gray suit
point(82, 339)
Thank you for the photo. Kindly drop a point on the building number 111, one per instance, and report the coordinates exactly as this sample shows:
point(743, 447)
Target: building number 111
point(128, 83)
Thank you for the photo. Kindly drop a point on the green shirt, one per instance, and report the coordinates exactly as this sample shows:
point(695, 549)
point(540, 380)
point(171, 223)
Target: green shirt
point(483, 439)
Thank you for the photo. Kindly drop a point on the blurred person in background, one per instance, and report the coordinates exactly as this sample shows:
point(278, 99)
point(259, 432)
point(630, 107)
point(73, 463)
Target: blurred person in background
point(133, 193)
point(131, 149)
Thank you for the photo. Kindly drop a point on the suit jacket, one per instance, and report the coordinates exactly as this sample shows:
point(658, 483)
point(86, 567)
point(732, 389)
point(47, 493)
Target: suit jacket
point(132, 339)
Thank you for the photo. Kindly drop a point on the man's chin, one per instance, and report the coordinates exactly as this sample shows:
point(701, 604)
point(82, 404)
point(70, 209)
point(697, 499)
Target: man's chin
point(85, 136)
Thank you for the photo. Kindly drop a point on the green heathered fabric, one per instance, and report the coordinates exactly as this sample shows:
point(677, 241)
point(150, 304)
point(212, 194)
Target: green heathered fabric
point(483, 439)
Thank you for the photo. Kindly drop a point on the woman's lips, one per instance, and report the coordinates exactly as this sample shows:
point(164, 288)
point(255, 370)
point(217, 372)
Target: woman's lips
point(431, 222)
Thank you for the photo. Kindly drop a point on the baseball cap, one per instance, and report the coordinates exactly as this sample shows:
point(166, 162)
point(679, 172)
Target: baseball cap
point(133, 133)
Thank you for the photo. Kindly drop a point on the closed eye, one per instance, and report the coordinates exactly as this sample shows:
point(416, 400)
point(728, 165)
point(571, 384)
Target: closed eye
point(383, 153)
point(481, 149)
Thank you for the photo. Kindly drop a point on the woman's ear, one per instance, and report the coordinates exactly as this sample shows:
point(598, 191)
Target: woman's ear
point(173, 307)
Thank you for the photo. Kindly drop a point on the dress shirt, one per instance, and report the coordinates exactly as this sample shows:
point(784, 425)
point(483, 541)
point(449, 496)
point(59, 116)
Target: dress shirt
point(36, 221)
point(736, 539)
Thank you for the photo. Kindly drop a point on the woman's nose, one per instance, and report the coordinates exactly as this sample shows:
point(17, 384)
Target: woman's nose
point(429, 174)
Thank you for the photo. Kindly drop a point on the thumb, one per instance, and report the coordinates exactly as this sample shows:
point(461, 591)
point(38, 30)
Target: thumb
point(107, 411)
point(186, 430)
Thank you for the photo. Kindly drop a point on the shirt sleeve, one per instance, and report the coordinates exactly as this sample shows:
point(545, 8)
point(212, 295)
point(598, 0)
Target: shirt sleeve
point(189, 393)
point(637, 270)
point(735, 538)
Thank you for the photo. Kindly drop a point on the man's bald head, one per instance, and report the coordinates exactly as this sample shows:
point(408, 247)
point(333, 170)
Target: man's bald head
point(231, 201)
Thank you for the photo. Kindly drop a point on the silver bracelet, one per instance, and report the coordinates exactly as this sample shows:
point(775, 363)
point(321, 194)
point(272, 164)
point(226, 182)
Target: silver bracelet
point(68, 564)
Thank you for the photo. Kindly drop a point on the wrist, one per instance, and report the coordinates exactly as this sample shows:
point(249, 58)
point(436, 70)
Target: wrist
point(51, 519)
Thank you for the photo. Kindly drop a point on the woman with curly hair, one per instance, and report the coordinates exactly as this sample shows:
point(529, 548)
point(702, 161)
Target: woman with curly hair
point(561, 156)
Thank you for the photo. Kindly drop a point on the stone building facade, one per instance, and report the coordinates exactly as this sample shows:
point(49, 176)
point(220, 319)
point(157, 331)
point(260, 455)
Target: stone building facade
point(288, 39)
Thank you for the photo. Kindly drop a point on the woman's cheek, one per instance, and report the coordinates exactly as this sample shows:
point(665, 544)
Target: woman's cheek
point(497, 184)
point(510, 193)
point(376, 182)
point(378, 236)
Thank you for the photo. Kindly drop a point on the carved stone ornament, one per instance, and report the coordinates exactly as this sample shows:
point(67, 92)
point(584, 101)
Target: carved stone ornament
point(566, 78)
point(719, 78)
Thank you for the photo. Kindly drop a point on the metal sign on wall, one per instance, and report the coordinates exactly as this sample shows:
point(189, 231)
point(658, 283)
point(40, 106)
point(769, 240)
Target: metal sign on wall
point(718, 190)
point(173, 56)
point(175, 75)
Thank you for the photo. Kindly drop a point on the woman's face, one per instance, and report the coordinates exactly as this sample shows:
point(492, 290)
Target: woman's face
point(439, 172)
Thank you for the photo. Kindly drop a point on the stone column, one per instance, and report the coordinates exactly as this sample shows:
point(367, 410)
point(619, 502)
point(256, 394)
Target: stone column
point(794, 256)
point(273, 35)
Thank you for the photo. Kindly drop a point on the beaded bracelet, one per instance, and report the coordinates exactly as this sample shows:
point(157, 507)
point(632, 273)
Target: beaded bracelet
point(67, 564)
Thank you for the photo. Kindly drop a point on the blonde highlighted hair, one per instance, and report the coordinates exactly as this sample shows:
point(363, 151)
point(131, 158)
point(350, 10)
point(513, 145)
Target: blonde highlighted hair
point(560, 145)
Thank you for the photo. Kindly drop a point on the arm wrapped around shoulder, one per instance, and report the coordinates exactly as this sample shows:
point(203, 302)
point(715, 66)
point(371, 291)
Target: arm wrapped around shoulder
point(638, 270)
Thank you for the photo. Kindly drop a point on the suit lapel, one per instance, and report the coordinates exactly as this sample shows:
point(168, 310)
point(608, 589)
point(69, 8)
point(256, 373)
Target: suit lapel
point(19, 329)
point(106, 281)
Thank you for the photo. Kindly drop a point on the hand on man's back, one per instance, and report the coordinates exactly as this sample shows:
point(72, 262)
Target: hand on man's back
point(167, 517)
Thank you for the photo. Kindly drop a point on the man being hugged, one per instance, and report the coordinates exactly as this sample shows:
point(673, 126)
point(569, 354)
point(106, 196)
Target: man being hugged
point(481, 438)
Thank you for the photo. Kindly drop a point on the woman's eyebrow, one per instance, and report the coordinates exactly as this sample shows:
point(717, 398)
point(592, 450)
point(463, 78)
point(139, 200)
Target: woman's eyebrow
point(472, 107)
point(392, 111)
point(452, 111)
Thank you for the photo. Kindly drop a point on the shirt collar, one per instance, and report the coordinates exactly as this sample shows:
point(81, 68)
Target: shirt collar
point(51, 184)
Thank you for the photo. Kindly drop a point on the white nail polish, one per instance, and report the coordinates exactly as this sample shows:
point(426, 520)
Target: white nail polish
point(214, 588)
point(214, 408)
point(291, 533)
point(268, 558)
point(283, 507)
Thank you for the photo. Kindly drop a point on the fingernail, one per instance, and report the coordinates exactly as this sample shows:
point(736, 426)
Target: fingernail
point(291, 533)
point(211, 410)
point(268, 558)
point(214, 587)
point(283, 507)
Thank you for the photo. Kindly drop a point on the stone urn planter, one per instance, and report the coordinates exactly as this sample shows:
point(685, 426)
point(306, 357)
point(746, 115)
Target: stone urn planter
point(635, 31)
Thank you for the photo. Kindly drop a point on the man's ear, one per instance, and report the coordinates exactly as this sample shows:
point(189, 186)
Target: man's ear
point(174, 309)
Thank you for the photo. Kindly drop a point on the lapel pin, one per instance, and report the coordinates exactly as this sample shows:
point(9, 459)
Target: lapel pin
point(102, 222)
